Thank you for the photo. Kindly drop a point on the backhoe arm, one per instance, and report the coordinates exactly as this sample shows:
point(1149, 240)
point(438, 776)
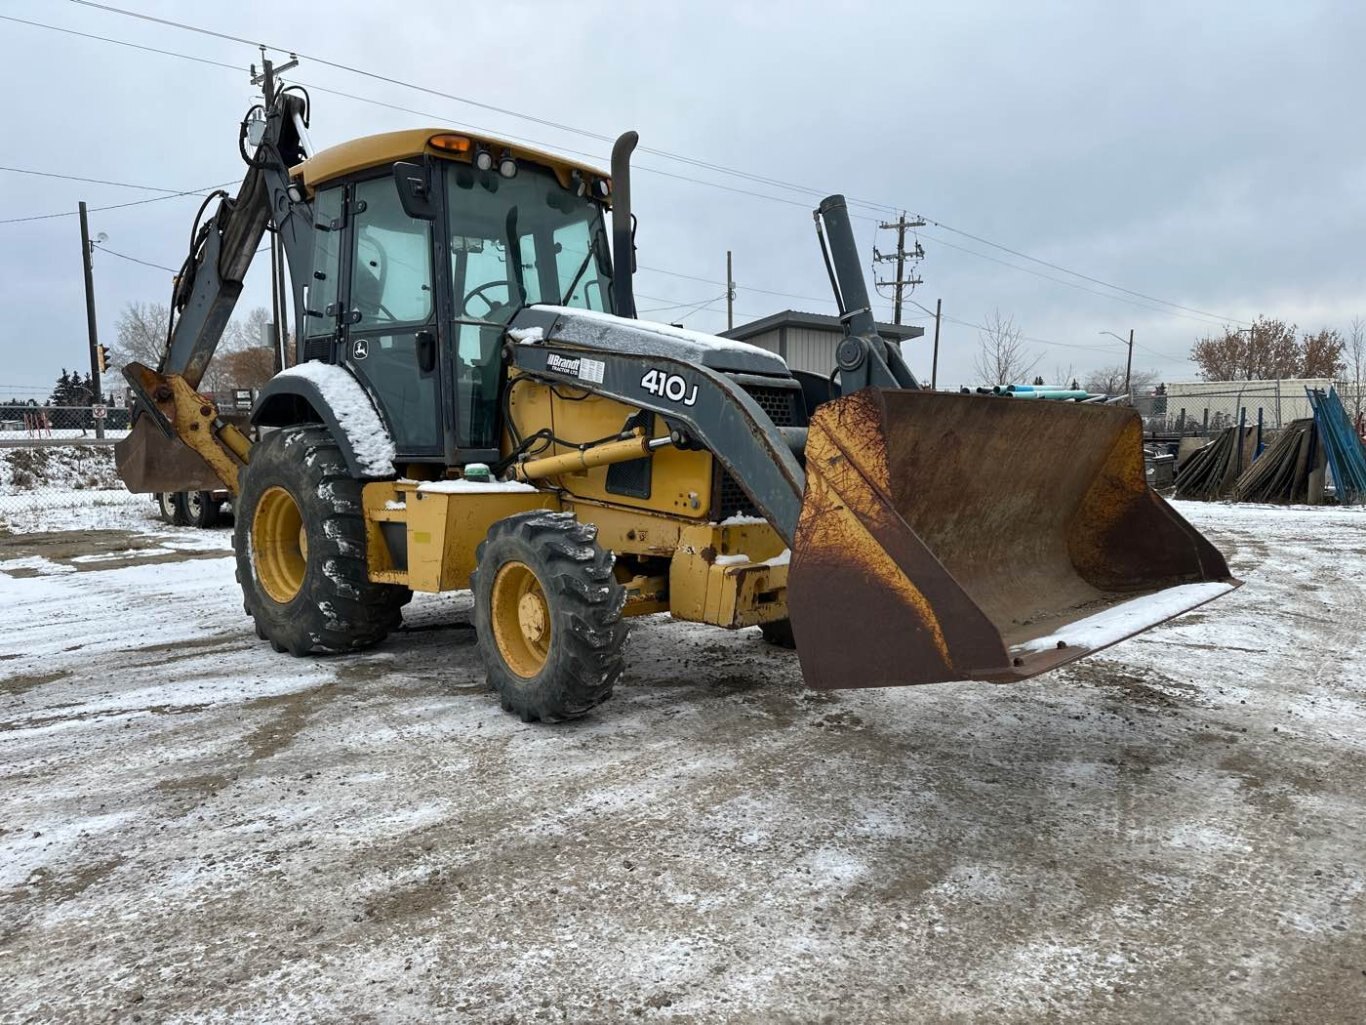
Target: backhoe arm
point(169, 410)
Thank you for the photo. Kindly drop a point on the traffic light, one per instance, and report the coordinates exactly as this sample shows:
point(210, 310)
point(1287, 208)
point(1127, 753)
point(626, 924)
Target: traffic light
point(102, 358)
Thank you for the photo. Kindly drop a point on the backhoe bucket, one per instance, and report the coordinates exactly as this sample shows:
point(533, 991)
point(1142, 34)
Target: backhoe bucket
point(148, 461)
point(962, 537)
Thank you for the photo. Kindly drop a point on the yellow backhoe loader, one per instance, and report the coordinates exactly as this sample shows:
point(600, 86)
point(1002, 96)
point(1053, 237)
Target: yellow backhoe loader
point(475, 405)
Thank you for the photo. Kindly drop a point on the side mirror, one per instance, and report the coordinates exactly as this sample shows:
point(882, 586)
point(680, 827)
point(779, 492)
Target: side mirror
point(414, 190)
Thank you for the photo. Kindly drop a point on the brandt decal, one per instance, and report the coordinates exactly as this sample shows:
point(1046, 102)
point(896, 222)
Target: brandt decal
point(583, 367)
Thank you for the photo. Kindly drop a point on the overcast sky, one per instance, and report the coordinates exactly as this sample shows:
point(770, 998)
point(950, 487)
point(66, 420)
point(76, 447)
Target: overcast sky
point(1206, 155)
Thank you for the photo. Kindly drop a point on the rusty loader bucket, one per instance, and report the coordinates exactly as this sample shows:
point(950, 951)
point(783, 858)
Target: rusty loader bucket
point(963, 537)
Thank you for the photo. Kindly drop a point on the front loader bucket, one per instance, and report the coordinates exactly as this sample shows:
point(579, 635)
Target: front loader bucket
point(149, 461)
point(962, 537)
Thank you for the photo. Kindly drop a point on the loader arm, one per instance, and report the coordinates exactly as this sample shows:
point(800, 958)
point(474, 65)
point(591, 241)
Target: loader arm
point(713, 411)
point(178, 441)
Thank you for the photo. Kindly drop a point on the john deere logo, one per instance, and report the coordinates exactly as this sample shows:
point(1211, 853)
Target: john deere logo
point(360, 348)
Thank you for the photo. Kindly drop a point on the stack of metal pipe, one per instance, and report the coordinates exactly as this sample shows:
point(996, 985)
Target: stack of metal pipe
point(1289, 472)
point(1343, 447)
point(1211, 472)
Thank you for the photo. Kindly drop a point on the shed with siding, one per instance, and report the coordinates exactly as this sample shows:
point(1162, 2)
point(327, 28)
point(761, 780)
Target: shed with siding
point(807, 340)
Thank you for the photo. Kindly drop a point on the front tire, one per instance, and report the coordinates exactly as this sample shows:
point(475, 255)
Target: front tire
point(547, 613)
point(299, 537)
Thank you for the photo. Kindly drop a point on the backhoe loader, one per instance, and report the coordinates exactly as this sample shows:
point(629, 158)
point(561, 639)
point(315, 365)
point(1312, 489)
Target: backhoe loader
point(476, 405)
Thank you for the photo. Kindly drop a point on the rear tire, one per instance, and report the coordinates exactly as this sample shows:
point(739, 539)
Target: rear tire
point(779, 634)
point(170, 508)
point(547, 613)
point(200, 509)
point(300, 542)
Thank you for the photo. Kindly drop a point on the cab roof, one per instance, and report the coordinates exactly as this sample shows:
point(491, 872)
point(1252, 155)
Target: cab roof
point(388, 147)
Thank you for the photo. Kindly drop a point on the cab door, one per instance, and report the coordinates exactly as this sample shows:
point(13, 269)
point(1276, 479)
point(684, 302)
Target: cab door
point(389, 330)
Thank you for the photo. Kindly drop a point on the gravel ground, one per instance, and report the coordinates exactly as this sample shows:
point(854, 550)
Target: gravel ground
point(196, 829)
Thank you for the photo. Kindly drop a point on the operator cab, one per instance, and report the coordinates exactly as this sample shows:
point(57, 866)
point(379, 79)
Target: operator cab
point(496, 226)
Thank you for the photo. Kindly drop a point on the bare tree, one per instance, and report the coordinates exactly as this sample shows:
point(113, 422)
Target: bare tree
point(141, 337)
point(140, 334)
point(1355, 353)
point(1110, 380)
point(1002, 357)
point(1064, 376)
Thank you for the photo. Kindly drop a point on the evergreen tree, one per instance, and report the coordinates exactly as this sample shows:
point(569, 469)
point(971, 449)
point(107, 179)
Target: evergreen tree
point(72, 390)
point(62, 391)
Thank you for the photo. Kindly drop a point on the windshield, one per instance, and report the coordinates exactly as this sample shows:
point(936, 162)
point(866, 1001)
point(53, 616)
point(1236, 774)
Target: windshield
point(522, 240)
point(514, 241)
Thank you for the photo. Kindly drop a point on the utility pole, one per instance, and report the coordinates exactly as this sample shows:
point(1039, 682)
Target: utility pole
point(268, 77)
point(730, 294)
point(87, 263)
point(1129, 368)
point(934, 367)
point(916, 253)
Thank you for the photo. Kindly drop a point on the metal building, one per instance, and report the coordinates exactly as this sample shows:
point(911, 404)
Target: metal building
point(807, 340)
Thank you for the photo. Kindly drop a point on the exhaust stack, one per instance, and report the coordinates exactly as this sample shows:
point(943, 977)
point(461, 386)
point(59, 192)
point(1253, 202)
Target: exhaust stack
point(623, 227)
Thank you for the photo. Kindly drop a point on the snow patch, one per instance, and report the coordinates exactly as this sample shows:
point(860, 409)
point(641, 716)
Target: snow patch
point(355, 415)
point(731, 560)
point(697, 338)
point(473, 487)
point(1115, 624)
point(742, 521)
point(526, 335)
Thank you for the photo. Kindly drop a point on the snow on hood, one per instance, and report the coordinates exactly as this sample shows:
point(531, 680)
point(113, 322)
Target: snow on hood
point(698, 338)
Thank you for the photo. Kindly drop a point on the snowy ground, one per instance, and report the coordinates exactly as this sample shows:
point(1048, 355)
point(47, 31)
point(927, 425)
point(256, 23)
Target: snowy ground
point(73, 433)
point(196, 829)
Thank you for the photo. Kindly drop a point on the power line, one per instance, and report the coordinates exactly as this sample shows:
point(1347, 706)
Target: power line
point(1072, 284)
point(121, 42)
point(743, 288)
point(1085, 277)
point(91, 181)
point(719, 168)
point(118, 205)
point(1026, 338)
point(124, 256)
point(692, 307)
point(425, 114)
point(494, 108)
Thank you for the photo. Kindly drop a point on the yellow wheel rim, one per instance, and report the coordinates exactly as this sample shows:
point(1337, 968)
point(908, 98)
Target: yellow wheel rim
point(521, 619)
point(279, 546)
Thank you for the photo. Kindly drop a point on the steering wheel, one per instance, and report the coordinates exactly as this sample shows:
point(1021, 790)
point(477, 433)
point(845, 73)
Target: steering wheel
point(380, 266)
point(493, 307)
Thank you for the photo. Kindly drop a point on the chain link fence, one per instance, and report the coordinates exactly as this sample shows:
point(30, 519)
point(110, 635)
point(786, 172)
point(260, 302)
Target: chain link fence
point(58, 484)
point(20, 422)
point(1208, 407)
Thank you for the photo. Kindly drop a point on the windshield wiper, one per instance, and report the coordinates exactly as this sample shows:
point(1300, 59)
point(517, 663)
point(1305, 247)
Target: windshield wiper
point(515, 257)
point(578, 274)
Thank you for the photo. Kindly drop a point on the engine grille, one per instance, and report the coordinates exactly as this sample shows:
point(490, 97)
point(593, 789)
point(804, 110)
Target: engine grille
point(727, 497)
point(779, 403)
point(785, 408)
